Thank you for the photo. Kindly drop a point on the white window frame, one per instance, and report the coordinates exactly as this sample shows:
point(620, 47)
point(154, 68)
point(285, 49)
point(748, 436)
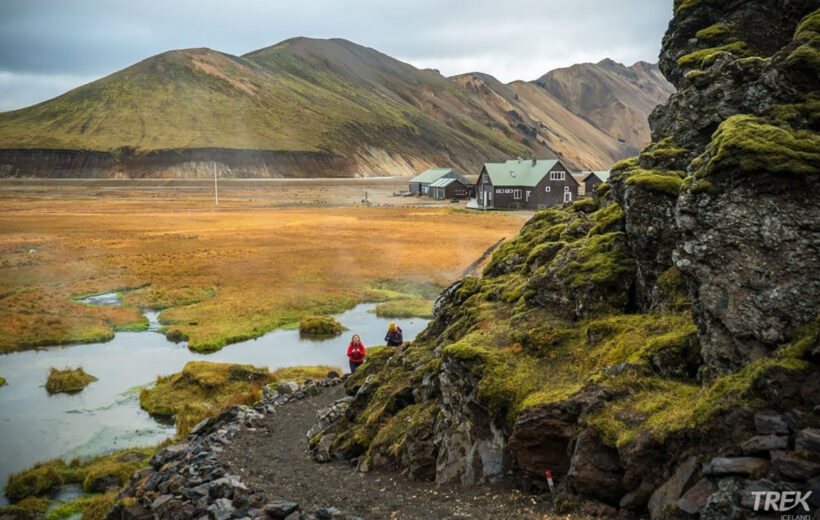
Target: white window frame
point(558, 176)
point(547, 189)
point(517, 194)
point(566, 188)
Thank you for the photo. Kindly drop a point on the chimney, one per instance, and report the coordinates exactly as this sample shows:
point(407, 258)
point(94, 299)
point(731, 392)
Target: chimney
point(534, 160)
point(520, 159)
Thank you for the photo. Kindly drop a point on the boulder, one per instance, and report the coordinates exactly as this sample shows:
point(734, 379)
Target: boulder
point(751, 466)
point(694, 500)
point(595, 469)
point(638, 497)
point(747, 498)
point(322, 452)
point(221, 509)
point(286, 387)
point(764, 443)
point(808, 440)
point(280, 509)
point(168, 453)
point(724, 504)
point(540, 440)
point(767, 422)
point(669, 492)
point(329, 415)
point(790, 465)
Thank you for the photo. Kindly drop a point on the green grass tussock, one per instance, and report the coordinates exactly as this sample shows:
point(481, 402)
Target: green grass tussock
point(68, 380)
point(405, 308)
point(320, 326)
point(204, 389)
point(2, 381)
point(90, 474)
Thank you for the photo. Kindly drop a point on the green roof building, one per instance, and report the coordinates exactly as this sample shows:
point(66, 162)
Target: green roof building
point(526, 184)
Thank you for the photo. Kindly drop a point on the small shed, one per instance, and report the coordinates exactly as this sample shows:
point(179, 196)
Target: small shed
point(420, 184)
point(591, 181)
point(449, 188)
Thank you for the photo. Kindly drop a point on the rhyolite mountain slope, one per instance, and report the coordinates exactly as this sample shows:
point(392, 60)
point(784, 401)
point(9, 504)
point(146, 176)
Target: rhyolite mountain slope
point(614, 98)
point(308, 107)
point(657, 346)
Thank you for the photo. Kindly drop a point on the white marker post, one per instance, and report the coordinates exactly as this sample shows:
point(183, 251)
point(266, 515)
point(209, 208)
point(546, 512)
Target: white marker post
point(216, 187)
point(548, 474)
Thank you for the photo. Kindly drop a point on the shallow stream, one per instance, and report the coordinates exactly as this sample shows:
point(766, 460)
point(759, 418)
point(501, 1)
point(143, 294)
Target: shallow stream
point(106, 416)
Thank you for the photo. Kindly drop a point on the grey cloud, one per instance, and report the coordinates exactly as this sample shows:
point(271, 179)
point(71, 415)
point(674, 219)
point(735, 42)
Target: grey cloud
point(515, 39)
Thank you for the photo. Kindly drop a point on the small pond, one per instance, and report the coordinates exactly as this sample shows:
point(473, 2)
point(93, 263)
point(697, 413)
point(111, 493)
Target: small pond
point(106, 415)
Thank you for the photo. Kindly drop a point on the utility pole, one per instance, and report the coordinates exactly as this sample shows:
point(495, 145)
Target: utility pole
point(216, 187)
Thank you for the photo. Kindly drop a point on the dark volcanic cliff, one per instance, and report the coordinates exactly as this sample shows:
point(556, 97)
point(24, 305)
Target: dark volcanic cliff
point(655, 346)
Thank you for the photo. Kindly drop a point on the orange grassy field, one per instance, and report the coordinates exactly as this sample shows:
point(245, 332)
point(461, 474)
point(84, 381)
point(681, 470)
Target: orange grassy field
point(222, 276)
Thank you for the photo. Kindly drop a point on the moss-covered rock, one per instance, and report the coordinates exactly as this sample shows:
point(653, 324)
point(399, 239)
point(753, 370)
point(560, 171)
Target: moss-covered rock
point(751, 144)
point(68, 380)
point(320, 326)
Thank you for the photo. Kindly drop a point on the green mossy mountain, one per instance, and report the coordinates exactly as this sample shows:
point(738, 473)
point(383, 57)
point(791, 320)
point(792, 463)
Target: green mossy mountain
point(308, 107)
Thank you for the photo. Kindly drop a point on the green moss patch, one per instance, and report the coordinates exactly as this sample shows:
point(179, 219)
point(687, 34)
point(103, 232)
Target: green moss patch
point(659, 181)
point(674, 289)
point(716, 32)
point(68, 380)
point(320, 326)
point(659, 407)
point(2, 381)
point(752, 144)
point(703, 58)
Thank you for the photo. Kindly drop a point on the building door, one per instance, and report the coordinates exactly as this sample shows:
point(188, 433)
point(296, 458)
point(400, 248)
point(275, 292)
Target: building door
point(529, 192)
point(567, 196)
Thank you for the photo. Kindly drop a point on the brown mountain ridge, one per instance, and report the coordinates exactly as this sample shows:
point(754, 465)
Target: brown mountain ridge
point(311, 107)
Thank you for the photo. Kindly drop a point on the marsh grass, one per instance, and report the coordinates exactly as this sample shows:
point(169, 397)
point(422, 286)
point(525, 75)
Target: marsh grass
point(68, 380)
point(247, 273)
point(405, 308)
point(44, 477)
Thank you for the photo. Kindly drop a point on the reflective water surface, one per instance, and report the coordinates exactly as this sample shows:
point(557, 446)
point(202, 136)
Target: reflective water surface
point(106, 416)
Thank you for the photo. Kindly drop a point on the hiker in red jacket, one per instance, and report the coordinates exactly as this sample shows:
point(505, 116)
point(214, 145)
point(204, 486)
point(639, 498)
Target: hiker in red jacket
point(355, 353)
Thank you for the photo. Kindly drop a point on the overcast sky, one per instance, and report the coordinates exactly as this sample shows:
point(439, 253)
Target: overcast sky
point(50, 46)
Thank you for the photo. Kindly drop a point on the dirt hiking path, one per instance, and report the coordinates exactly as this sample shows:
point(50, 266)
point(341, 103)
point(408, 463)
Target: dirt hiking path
point(274, 459)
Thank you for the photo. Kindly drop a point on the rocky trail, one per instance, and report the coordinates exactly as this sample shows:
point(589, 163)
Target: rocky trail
point(273, 459)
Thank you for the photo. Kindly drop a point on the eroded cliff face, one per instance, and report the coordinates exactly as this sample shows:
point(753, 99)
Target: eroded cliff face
point(654, 346)
point(734, 159)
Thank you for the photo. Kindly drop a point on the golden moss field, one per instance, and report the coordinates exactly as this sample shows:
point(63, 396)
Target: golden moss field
point(221, 275)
